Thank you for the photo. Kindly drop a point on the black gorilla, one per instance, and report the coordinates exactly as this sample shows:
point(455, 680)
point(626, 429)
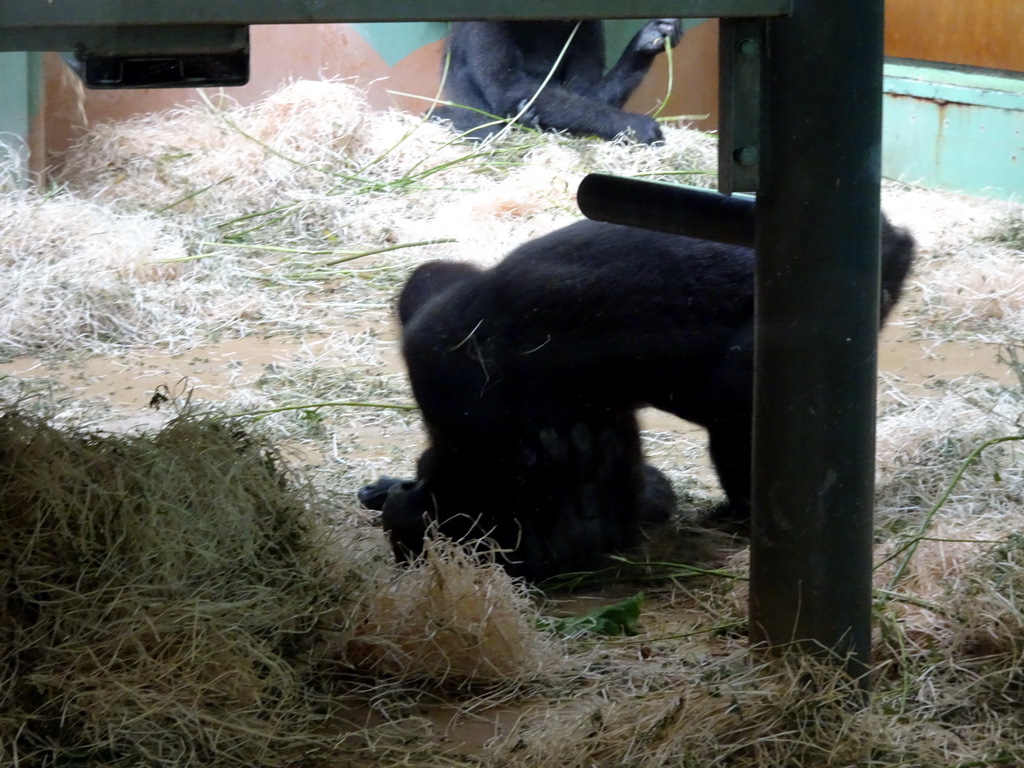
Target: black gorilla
point(497, 67)
point(529, 374)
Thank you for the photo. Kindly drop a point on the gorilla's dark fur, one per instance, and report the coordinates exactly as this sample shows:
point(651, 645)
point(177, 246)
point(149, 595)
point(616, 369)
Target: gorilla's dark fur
point(497, 68)
point(529, 375)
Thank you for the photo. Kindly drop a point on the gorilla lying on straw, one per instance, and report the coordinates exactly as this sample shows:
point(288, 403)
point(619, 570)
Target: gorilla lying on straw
point(529, 375)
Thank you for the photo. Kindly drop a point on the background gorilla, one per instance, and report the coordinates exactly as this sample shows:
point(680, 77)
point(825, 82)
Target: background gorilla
point(528, 376)
point(496, 67)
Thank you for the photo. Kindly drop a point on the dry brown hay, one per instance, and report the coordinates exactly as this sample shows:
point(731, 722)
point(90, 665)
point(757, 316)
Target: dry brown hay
point(178, 598)
point(945, 690)
point(452, 621)
point(117, 270)
point(161, 220)
point(922, 445)
point(985, 598)
point(203, 641)
point(165, 598)
point(312, 160)
point(969, 277)
point(986, 299)
point(724, 712)
point(182, 598)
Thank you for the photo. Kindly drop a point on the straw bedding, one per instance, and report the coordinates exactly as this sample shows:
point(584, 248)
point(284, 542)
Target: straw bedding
point(207, 592)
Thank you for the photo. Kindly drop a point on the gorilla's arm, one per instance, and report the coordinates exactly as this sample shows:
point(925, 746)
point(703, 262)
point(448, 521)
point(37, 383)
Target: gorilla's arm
point(625, 77)
point(374, 495)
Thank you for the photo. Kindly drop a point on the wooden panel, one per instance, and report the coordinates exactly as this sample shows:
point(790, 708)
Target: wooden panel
point(979, 33)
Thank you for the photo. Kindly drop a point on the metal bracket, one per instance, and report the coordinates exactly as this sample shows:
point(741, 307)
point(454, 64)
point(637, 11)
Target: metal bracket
point(161, 57)
point(740, 53)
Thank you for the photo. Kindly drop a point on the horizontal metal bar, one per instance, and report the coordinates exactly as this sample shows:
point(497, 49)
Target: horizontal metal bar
point(55, 14)
point(206, 38)
point(668, 208)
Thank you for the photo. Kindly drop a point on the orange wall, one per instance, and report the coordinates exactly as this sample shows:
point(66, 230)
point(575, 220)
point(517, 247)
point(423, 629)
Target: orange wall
point(695, 79)
point(978, 33)
point(279, 54)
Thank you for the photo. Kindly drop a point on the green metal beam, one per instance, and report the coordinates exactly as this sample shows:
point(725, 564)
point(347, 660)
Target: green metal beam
point(167, 25)
point(181, 38)
point(28, 14)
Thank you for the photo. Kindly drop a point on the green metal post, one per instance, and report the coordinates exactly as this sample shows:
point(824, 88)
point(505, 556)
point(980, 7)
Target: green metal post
point(816, 329)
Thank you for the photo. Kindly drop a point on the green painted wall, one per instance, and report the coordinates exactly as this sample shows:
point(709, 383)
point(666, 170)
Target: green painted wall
point(954, 129)
point(618, 33)
point(396, 41)
point(20, 91)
